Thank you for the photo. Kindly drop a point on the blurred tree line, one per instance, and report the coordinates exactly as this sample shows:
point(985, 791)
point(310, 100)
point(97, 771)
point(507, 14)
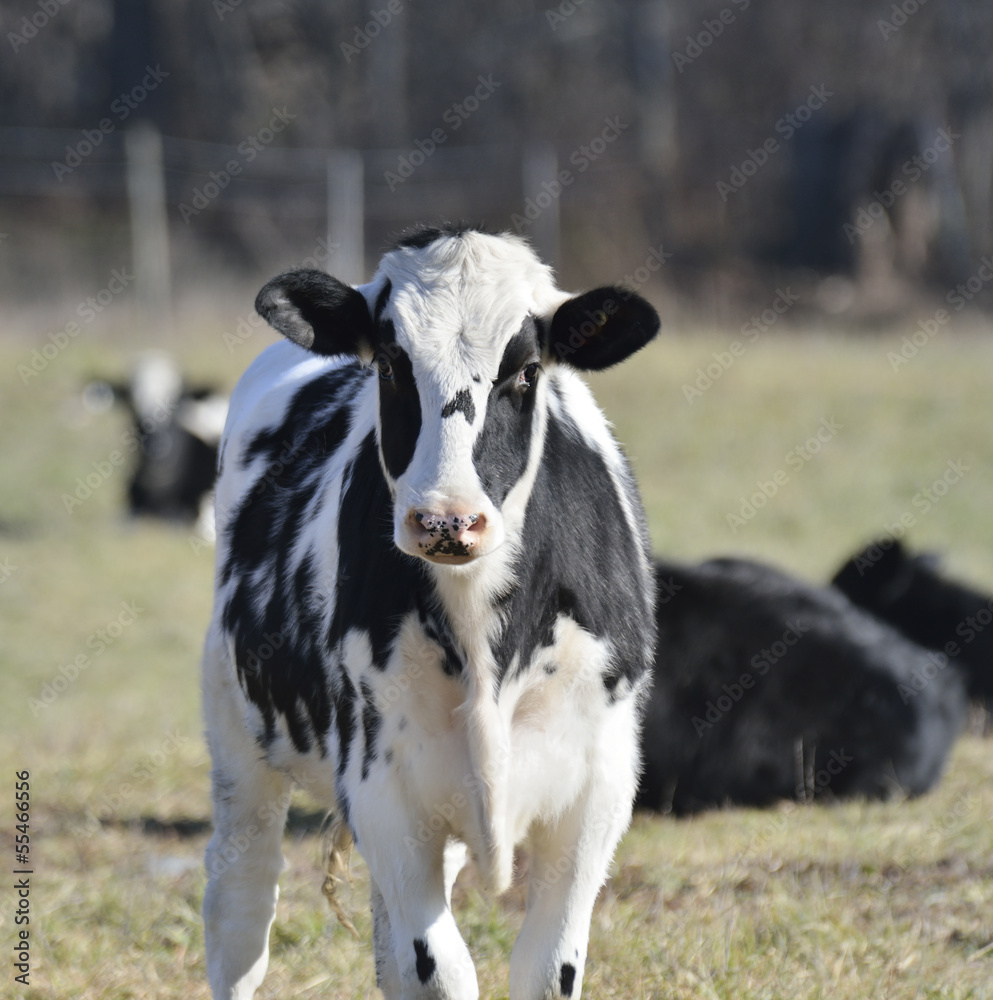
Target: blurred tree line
point(851, 142)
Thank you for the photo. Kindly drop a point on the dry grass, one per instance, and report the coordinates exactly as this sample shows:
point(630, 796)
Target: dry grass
point(858, 900)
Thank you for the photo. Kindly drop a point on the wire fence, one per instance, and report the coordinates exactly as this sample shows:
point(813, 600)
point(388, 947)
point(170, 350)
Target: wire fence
point(116, 193)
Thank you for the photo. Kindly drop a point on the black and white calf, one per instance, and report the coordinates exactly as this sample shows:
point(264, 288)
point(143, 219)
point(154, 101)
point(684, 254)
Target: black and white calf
point(433, 608)
point(767, 687)
point(176, 429)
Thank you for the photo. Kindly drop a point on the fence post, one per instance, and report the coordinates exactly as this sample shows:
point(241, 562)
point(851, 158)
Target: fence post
point(149, 225)
point(346, 214)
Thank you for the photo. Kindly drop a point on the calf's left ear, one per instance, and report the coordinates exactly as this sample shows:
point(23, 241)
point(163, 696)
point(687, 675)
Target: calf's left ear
point(316, 311)
point(598, 329)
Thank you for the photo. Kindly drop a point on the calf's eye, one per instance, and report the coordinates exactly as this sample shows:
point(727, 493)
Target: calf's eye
point(528, 375)
point(385, 368)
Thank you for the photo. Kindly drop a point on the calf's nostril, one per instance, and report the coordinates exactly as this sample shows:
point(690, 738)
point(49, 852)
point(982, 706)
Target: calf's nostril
point(448, 525)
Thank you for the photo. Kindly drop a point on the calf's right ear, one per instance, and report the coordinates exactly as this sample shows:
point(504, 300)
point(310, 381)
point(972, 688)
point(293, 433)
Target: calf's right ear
point(316, 311)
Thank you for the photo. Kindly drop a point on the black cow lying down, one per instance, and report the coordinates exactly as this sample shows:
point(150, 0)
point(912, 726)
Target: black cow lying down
point(768, 688)
point(911, 593)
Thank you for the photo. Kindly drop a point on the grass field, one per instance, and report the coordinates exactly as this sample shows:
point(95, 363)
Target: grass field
point(101, 622)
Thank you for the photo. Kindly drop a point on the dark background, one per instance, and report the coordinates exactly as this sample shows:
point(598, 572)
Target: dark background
point(695, 88)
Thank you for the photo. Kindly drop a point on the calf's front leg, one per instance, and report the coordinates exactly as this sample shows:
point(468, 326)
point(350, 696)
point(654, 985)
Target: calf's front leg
point(569, 864)
point(420, 954)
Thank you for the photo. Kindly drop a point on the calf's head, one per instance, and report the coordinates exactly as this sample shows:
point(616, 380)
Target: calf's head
point(462, 330)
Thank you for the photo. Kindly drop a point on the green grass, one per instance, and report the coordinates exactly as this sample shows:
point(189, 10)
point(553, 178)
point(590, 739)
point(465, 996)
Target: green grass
point(886, 900)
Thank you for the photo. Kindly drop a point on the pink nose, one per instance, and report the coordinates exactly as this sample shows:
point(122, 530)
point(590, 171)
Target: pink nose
point(447, 534)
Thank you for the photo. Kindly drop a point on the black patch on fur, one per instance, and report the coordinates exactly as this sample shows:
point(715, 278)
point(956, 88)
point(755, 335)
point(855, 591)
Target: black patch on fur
point(287, 648)
point(378, 585)
point(382, 300)
point(344, 703)
point(462, 403)
point(418, 237)
point(276, 627)
point(436, 629)
point(371, 723)
point(567, 977)
point(500, 454)
point(520, 349)
point(425, 961)
point(399, 406)
point(578, 558)
point(305, 430)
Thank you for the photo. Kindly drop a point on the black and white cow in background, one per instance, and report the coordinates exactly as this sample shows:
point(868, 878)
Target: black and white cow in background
point(175, 431)
point(437, 614)
point(767, 688)
point(912, 594)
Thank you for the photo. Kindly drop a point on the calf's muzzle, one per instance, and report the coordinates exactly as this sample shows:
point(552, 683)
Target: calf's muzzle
point(447, 536)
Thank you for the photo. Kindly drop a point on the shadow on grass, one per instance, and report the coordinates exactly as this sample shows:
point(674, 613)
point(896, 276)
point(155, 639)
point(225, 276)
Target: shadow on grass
point(300, 823)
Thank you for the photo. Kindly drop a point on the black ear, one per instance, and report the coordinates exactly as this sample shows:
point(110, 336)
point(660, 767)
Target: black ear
point(877, 575)
point(317, 312)
point(600, 328)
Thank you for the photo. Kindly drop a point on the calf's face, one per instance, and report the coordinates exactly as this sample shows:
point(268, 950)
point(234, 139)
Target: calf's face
point(462, 335)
